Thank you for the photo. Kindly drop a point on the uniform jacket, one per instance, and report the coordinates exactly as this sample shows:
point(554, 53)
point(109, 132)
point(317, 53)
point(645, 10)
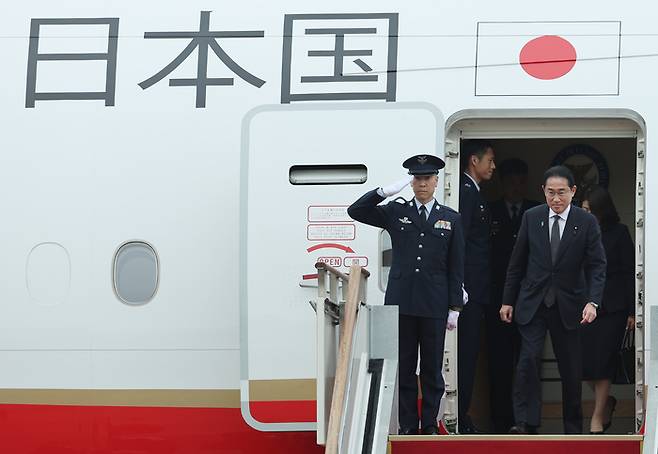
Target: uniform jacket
point(504, 231)
point(578, 274)
point(475, 220)
point(619, 292)
point(427, 267)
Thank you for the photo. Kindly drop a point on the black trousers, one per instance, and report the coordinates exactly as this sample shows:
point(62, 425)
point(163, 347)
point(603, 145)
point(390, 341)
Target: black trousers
point(527, 388)
point(468, 346)
point(503, 346)
point(429, 334)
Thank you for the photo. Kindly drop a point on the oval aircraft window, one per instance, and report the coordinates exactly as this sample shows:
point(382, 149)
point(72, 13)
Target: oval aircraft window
point(328, 174)
point(136, 272)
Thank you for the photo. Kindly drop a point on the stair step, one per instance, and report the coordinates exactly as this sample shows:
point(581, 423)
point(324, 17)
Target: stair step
point(515, 444)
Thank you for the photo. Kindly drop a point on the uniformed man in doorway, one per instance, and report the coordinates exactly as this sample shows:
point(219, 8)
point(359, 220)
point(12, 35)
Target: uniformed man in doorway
point(425, 282)
point(478, 164)
point(502, 339)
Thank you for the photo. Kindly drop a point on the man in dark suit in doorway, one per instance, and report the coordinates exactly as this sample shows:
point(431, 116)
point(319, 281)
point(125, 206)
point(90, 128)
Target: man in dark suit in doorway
point(554, 283)
point(503, 341)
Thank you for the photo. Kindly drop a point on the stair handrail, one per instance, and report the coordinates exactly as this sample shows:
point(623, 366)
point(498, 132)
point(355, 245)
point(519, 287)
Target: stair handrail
point(356, 286)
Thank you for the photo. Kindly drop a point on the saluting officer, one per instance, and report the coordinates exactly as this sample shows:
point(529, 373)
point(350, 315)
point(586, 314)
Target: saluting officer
point(425, 281)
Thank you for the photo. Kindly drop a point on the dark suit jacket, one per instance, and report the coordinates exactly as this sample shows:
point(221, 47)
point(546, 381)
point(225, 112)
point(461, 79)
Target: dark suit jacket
point(503, 236)
point(427, 270)
point(619, 293)
point(475, 219)
point(578, 275)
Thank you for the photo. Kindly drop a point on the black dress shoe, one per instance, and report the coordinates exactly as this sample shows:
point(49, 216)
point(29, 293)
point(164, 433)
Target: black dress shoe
point(467, 427)
point(408, 431)
point(523, 429)
point(430, 430)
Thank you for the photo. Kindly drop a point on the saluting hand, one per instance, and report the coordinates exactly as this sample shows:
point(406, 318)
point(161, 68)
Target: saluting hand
point(589, 314)
point(396, 187)
point(506, 312)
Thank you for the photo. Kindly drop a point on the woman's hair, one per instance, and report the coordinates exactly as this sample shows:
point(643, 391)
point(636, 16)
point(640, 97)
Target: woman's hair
point(601, 205)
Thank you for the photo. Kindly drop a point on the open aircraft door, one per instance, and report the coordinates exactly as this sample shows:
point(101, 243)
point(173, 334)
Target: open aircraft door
point(301, 166)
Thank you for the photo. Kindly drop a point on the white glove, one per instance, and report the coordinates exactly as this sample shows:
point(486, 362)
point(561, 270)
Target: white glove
point(396, 187)
point(452, 320)
point(464, 295)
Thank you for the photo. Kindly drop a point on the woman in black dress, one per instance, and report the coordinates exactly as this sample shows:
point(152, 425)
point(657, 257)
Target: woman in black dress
point(602, 339)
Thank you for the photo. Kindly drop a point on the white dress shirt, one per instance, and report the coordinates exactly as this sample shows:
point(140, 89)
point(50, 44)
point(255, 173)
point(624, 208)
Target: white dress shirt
point(509, 208)
point(562, 220)
point(428, 207)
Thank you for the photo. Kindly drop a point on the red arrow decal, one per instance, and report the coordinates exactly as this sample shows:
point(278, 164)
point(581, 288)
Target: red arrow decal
point(330, 245)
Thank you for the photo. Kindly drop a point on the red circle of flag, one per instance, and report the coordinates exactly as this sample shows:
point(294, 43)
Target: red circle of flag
point(547, 57)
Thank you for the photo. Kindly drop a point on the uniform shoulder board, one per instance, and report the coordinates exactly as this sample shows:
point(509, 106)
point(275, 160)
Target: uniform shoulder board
point(400, 200)
point(449, 210)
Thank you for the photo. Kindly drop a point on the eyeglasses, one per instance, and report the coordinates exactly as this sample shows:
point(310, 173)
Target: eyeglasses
point(562, 193)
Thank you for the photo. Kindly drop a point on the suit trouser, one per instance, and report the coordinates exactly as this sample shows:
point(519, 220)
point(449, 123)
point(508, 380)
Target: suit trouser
point(503, 345)
point(527, 388)
point(468, 346)
point(429, 333)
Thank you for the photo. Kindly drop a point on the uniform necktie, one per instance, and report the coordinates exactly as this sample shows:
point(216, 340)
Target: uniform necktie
point(515, 212)
point(555, 237)
point(423, 212)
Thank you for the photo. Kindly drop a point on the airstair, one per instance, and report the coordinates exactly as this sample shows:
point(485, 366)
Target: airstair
point(357, 354)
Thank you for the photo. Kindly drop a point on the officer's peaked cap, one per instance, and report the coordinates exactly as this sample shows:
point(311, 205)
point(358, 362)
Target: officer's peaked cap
point(424, 164)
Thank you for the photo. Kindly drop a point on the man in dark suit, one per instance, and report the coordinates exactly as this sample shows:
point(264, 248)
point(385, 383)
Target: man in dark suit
point(554, 282)
point(502, 339)
point(425, 281)
point(478, 164)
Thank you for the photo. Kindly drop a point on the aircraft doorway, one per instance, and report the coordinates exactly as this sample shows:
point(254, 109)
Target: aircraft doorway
point(607, 152)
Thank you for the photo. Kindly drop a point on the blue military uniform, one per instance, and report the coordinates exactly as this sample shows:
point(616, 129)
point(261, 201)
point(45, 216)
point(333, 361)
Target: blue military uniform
point(476, 220)
point(425, 281)
point(426, 273)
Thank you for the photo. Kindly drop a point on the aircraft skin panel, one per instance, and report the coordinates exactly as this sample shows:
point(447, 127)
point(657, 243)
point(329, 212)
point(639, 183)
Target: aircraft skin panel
point(147, 430)
point(103, 142)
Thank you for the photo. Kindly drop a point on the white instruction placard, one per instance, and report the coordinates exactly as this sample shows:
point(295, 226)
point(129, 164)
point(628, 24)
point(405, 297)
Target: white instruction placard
point(328, 213)
point(330, 232)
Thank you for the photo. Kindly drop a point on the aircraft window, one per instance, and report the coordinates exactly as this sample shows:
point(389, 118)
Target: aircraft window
point(136, 272)
point(328, 174)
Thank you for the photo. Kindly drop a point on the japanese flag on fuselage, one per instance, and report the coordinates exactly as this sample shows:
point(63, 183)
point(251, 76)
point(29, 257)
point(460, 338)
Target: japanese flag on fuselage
point(547, 58)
